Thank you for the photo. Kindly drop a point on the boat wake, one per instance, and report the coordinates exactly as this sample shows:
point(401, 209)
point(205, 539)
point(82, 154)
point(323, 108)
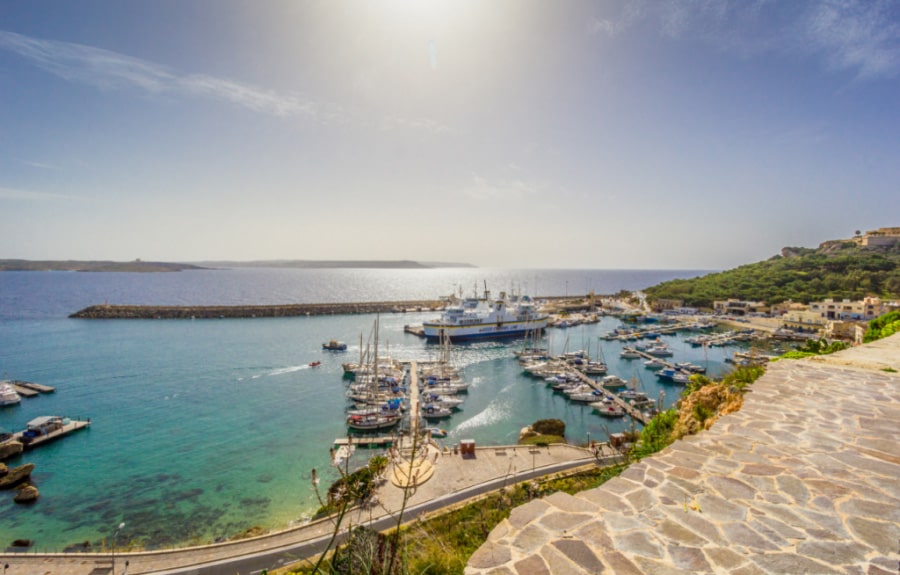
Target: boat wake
point(279, 371)
point(494, 413)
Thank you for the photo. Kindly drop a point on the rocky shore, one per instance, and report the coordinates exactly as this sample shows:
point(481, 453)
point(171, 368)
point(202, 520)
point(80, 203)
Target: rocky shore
point(111, 311)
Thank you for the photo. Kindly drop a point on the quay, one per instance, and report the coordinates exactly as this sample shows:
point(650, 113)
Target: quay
point(373, 441)
point(28, 388)
point(47, 428)
point(111, 311)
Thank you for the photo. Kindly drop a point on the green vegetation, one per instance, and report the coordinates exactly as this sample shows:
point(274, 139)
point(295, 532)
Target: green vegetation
point(702, 402)
point(544, 432)
point(883, 326)
point(835, 270)
point(441, 545)
point(353, 488)
point(815, 347)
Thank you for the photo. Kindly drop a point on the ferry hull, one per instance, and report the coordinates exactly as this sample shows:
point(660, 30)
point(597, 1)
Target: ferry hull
point(482, 331)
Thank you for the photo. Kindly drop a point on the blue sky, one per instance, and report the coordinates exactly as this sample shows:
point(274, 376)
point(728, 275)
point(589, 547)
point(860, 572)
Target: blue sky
point(515, 133)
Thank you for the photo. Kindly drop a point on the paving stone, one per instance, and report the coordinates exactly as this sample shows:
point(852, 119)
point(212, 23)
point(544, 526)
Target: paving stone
point(638, 543)
point(641, 500)
point(731, 488)
point(560, 522)
point(833, 552)
point(525, 514)
point(719, 509)
point(689, 559)
point(743, 535)
point(490, 555)
point(791, 563)
point(685, 473)
point(724, 557)
point(533, 565)
point(750, 569)
point(530, 538)
point(620, 565)
point(617, 522)
point(559, 564)
point(656, 567)
point(580, 554)
point(568, 502)
point(595, 535)
point(679, 534)
point(634, 473)
point(762, 469)
point(880, 536)
point(793, 487)
point(604, 500)
point(871, 509)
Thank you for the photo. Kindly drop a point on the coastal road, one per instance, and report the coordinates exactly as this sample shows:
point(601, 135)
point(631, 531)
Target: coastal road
point(254, 563)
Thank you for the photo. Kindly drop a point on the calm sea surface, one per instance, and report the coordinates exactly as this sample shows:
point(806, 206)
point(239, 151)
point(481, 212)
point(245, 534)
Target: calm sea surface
point(204, 428)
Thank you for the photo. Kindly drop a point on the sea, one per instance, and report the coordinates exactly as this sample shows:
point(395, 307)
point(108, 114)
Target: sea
point(202, 429)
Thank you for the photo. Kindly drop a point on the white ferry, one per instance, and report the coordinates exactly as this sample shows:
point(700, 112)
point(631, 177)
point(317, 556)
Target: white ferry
point(487, 318)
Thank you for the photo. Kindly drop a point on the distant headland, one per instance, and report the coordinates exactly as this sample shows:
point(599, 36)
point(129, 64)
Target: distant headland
point(139, 265)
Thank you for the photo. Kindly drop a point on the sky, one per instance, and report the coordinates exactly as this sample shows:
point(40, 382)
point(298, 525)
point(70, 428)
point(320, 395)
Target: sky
point(502, 133)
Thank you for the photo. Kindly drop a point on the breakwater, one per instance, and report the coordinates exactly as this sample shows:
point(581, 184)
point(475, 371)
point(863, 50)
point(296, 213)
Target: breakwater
point(111, 311)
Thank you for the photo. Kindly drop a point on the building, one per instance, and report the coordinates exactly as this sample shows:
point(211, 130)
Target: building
point(881, 237)
point(852, 331)
point(868, 308)
point(739, 307)
point(664, 304)
point(804, 321)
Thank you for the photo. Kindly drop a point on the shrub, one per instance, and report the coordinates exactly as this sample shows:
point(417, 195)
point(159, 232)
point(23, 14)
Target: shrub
point(549, 427)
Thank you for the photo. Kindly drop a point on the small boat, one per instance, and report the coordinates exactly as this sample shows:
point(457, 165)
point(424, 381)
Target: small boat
point(608, 409)
point(315, 364)
point(432, 411)
point(629, 353)
point(437, 432)
point(335, 345)
point(8, 395)
point(372, 421)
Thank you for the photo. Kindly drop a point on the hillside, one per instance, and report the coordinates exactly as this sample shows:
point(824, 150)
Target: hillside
point(92, 266)
point(836, 269)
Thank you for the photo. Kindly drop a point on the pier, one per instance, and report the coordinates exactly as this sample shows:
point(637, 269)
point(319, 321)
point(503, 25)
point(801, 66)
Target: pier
point(111, 311)
point(28, 388)
point(631, 410)
point(47, 429)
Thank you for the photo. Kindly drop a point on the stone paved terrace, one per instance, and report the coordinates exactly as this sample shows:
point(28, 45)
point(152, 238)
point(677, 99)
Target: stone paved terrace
point(805, 478)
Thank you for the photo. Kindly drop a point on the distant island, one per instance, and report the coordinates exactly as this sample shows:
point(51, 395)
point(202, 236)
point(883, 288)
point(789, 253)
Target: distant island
point(143, 266)
point(92, 266)
point(333, 264)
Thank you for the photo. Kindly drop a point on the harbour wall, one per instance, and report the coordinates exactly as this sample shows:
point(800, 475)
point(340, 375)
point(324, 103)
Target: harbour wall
point(110, 311)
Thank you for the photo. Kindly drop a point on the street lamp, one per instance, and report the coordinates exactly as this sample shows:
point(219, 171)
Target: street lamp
point(115, 538)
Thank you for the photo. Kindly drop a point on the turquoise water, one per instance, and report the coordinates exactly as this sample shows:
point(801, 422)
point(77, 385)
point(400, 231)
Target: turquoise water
point(204, 428)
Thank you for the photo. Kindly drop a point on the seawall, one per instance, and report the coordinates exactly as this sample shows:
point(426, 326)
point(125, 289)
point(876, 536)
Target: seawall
point(111, 311)
point(805, 478)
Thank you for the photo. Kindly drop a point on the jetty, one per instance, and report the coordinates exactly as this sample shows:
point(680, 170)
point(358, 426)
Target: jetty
point(111, 311)
point(29, 388)
point(47, 428)
point(631, 410)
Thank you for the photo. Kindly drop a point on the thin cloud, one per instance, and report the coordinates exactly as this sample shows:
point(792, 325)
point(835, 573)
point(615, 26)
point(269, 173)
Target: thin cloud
point(109, 70)
point(862, 36)
point(855, 35)
point(40, 165)
point(26, 195)
point(482, 189)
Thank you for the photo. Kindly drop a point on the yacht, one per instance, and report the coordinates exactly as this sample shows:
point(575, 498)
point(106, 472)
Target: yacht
point(8, 394)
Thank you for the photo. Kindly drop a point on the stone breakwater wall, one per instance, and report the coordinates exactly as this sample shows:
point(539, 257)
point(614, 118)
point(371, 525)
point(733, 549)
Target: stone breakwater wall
point(108, 311)
point(805, 478)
